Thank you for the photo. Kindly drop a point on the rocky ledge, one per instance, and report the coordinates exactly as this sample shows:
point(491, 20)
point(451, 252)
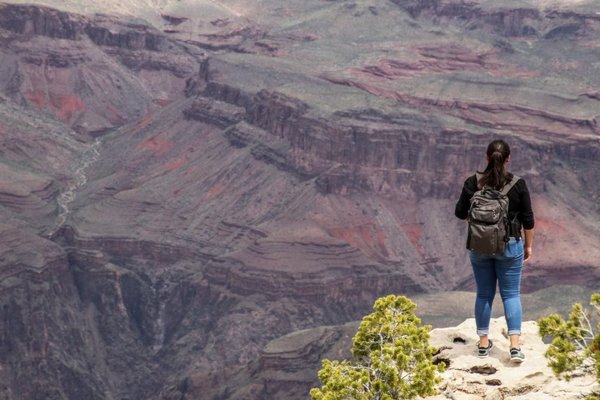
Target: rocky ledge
point(467, 377)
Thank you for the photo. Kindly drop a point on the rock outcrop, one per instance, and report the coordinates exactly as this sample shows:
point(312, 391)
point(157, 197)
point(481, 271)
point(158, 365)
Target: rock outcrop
point(278, 372)
point(287, 366)
point(469, 377)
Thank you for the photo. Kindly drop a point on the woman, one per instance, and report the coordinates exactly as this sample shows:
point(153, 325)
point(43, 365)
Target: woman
point(503, 268)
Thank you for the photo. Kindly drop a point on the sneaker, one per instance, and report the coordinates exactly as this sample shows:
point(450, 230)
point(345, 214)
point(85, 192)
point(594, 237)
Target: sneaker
point(483, 352)
point(516, 355)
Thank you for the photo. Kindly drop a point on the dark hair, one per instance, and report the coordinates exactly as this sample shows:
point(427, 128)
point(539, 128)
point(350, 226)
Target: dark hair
point(495, 174)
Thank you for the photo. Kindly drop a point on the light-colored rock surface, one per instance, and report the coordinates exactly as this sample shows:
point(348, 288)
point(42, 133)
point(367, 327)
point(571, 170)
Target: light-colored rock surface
point(469, 377)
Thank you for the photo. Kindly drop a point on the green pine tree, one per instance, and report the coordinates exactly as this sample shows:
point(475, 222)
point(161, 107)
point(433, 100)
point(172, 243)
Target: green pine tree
point(575, 341)
point(392, 358)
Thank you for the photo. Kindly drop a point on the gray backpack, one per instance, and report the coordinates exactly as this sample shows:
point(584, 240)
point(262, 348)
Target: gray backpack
point(488, 219)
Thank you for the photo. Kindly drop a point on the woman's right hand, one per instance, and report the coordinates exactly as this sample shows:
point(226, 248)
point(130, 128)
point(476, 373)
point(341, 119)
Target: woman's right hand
point(528, 253)
point(528, 244)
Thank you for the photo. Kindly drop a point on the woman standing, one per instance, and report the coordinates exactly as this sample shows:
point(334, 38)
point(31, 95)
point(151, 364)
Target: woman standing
point(505, 268)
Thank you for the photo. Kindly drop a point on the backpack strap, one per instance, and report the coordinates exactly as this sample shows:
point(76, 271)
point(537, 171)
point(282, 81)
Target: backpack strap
point(510, 185)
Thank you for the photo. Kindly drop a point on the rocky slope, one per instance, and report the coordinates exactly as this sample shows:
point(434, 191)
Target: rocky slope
point(180, 190)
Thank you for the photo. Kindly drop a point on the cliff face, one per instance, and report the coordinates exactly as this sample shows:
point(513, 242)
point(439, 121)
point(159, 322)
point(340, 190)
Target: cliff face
point(178, 198)
point(40, 21)
point(524, 21)
point(92, 73)
point(366, 150)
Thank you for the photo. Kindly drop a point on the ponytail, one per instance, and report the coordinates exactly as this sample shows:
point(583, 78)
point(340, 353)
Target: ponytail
point(495, 174)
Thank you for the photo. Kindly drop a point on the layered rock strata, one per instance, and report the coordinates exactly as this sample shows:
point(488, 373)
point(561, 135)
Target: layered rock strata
point(102, 72)
point(260, 174)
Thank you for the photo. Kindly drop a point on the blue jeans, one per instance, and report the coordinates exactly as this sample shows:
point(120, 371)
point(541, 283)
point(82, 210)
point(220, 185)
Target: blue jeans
point(506, 270)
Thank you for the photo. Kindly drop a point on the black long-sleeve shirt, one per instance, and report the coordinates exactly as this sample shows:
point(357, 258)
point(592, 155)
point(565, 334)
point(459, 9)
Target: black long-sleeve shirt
point(519, 202)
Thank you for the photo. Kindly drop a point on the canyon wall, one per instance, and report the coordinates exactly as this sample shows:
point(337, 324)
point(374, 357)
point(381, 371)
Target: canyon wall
point(178, 203)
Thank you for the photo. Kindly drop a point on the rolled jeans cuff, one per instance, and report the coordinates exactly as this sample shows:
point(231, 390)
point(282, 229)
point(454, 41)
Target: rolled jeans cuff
point(483, 332)
point(514, 332)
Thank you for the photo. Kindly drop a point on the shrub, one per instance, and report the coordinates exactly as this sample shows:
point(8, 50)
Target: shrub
point(575, 342)
point(392, 358)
